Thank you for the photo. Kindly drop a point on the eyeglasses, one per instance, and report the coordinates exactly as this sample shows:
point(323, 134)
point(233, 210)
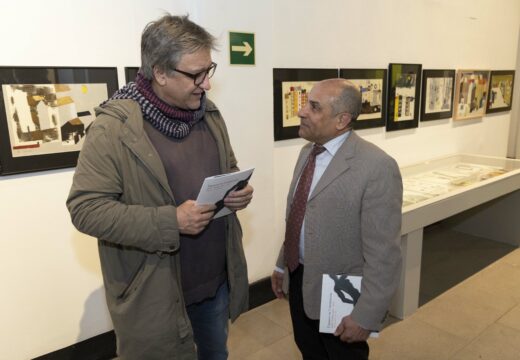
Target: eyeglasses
point(199, 77)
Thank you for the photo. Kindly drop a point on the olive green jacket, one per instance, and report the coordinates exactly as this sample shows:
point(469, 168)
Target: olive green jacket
point(120, 195)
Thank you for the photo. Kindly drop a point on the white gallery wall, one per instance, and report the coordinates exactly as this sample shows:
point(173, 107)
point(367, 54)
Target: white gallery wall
point(52, 293)
point(439, 34)
point(52, 286)
point(513, 148)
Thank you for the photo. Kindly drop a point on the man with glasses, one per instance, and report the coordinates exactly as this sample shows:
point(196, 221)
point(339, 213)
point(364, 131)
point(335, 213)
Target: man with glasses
point(172, 274)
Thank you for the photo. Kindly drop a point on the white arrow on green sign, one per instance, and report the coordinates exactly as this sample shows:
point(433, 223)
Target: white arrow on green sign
point(241, 48)
point(246, 49)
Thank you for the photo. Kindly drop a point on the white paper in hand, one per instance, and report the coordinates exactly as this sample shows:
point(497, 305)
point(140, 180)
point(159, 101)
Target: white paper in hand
point(339, 294)
point(215, 188)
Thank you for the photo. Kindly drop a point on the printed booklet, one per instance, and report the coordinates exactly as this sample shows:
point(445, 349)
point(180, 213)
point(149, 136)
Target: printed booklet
point(215, 188)
point(339, 294)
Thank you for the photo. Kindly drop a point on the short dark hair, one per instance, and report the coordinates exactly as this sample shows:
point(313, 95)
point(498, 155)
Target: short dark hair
point(348, 100)
point(167, 39)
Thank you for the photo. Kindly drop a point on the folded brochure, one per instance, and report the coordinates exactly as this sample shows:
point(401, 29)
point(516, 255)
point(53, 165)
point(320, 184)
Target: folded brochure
point(215, 188)
point(339, 294)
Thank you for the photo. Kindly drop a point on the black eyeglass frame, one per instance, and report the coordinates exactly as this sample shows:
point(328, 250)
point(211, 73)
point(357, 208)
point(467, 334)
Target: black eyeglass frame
point(206, 72)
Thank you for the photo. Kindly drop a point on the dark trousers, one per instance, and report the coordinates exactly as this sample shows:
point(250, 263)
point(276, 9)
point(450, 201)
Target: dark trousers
point(313, 344)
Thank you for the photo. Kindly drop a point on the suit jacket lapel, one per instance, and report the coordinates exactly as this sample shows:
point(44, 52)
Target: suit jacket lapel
point(218, 140)
point(338, 165)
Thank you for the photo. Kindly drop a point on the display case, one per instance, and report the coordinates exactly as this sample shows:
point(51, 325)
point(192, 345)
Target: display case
point(439, 188)
point(478, 195)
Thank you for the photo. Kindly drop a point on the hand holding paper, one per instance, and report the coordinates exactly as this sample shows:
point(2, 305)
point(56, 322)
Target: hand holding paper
point(193, 218)
point(238, 199)
point(350, 331)
point(339, 294)
point(229, 192)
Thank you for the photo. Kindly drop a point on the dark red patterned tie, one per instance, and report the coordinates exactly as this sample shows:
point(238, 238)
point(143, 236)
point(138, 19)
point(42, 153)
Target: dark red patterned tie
point(297, 213)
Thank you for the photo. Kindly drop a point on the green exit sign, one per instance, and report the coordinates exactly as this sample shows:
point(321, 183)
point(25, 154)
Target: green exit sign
point(241, 48)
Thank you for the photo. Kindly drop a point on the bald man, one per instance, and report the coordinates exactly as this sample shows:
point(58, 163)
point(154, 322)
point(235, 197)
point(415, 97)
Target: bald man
point(343, 217)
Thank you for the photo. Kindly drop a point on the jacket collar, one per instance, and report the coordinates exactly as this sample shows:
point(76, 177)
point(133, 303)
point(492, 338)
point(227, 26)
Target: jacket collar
point(125, 109)
point(134, 137)
point(338, 165)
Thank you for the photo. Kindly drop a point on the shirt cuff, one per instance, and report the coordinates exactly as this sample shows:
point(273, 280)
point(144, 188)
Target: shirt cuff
point(280, 270)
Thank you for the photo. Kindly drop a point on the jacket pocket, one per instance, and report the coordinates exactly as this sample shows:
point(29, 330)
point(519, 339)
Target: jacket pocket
point(124, 269)
point(135, 280)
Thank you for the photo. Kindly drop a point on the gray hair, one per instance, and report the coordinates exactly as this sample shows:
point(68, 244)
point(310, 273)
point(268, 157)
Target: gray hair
point(348, 100)
point(167, 39)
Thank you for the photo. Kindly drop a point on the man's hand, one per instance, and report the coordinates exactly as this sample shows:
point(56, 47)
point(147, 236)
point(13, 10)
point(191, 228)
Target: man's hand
point(350, 331)
point(276, 284)
point(239, 199)
point(193, 218)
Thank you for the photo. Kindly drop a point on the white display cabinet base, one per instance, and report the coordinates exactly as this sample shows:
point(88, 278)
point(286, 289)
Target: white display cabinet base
point(406, 300)
point(496, 220)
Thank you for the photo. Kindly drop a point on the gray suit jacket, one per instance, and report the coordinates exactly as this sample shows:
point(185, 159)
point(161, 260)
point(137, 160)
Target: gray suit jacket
point(352, 226)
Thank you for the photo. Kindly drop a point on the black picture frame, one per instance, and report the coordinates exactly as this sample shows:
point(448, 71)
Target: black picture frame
point(437, 96)
point(48, 123)
point(131, 73)
point(373, 86)
point(500, 93)
point(287, 128)
point(404, 88)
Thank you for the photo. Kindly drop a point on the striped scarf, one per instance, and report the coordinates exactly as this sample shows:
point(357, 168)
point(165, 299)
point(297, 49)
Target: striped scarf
point(169, 120)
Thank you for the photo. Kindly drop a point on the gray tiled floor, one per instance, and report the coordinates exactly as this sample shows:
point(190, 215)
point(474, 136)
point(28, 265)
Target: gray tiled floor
point(476, 319)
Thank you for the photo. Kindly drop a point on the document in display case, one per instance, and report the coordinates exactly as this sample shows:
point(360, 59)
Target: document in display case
point(440, 178)
point(475, 194)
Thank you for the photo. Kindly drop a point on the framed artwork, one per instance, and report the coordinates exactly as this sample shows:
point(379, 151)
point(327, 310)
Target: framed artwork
point(45, 112)
point(130, 73)
point(290, 89)
point(437, 94)
point(372, 84)
point(404, 84)
point(500, 93)
point(471, 94)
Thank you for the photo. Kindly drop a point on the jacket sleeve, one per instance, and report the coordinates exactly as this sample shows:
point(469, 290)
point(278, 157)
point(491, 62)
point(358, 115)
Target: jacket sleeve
point(380, 232)
point(96, 200)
